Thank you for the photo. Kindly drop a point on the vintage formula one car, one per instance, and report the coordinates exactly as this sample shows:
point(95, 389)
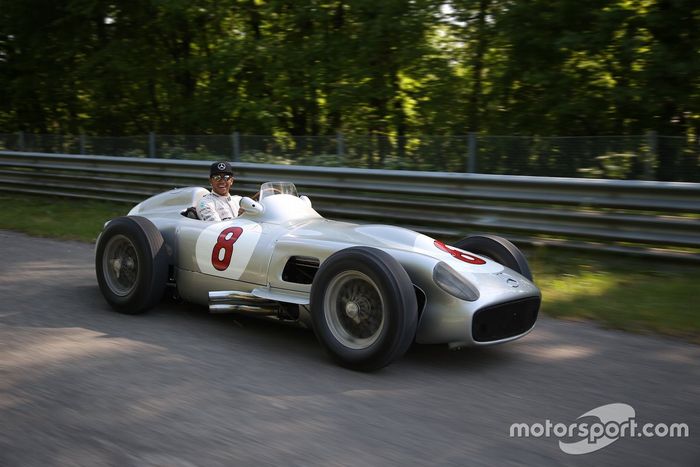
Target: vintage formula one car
point(367, 291)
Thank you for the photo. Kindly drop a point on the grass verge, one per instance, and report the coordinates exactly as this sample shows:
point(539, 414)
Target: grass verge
point(70, 219)
point(633, 294)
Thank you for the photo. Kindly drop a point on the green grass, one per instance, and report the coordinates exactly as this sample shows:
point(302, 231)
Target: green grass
point(71, 219)
point(635, 294)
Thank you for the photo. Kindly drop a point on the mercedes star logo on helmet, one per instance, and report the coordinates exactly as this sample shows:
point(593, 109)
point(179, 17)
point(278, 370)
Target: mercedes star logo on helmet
point(221, 166)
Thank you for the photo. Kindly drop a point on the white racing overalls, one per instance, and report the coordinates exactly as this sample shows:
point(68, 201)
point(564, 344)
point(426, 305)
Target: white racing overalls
point(214, 207)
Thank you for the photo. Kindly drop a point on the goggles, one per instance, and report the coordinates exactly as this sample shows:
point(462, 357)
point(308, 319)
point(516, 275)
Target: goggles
point(219, 177)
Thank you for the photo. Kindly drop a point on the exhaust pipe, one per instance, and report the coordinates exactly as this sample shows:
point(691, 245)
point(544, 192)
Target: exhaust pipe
point(226, 301)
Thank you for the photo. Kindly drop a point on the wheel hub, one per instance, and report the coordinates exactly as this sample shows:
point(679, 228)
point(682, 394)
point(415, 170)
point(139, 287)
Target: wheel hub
point(353, 311)
point(116, 266)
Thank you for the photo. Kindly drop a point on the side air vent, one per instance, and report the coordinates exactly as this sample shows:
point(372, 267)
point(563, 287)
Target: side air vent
point(300, 269)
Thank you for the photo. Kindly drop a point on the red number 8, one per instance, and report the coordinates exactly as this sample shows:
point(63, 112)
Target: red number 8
point(225, 242)
point(467, 258)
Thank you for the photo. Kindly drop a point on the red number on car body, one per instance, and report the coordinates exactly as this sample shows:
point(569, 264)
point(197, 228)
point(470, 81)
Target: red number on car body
point(466, 257)
point(225, 242)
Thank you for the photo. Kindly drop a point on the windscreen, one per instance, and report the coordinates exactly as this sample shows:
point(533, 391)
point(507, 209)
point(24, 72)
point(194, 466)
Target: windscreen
point(277, 188)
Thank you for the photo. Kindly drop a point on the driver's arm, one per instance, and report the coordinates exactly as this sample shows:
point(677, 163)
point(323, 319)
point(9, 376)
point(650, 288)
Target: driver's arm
point(207, 211)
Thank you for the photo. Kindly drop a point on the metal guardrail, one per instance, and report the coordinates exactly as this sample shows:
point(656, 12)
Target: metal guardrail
point(642, 217)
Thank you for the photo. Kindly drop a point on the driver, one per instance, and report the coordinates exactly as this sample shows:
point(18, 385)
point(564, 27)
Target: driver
point(219, 205)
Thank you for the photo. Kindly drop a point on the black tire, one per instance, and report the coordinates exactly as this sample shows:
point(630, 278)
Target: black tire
point(131, 263)
point(363, 308)
point(498, 249)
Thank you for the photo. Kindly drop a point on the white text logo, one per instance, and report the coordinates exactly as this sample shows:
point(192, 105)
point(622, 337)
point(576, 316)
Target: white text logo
point(614, 421)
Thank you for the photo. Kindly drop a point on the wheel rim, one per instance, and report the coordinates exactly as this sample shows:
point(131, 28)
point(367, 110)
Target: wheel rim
point(120, 265)
point(354, 309)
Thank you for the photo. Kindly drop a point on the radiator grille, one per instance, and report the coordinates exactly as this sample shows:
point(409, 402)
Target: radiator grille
point(505, 319)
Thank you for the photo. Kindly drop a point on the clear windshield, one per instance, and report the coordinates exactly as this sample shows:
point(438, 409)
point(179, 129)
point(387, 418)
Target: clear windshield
point(277, 188)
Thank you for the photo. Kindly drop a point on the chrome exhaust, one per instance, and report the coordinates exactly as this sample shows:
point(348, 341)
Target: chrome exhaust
point(247, 309)
point(227, 301)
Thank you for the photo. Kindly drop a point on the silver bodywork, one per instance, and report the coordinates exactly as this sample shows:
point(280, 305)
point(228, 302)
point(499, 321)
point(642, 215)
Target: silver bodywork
point(288, 228)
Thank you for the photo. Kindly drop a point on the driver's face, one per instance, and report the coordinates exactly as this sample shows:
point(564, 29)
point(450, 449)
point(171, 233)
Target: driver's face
point(221, 183)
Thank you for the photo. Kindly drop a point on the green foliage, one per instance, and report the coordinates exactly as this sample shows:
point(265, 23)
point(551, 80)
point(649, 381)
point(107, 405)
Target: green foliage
point(387, 68)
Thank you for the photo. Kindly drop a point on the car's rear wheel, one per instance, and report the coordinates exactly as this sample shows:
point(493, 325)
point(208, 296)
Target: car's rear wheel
point(131, 264)
point(498, 249)
point(363, 308)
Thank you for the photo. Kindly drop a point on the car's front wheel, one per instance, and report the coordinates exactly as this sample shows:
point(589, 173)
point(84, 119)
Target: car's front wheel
point(363, 308)
point(131, 264)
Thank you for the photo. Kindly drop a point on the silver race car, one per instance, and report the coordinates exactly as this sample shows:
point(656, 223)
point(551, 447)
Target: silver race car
point(367, 291)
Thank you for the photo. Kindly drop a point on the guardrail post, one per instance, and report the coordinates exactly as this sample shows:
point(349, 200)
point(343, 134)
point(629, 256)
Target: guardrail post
point(236, 146)
point(341, 145)
point(471, 153)
point(82, 143)
point(652, 154)
point(152, 145)
point(20, 140)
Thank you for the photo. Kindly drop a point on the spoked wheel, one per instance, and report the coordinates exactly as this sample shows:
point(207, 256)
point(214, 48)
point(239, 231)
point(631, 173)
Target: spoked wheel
point(354, 310)
point(131, 264)
point(363, 307)
point(120, 265)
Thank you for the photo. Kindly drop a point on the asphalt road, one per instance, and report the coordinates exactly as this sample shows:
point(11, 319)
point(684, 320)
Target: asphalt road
point(81, 385)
